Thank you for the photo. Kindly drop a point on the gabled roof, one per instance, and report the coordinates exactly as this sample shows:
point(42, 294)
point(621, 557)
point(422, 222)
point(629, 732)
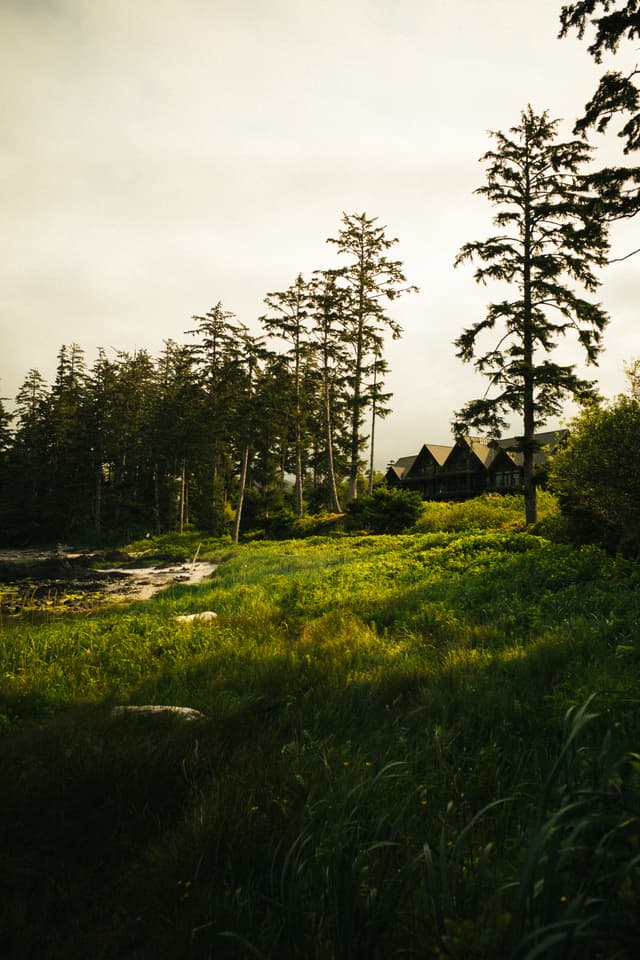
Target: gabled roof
point(482, 448)
point(502, 458)
point(547, 441)
point(439, 451)
point(431, 452)
point(479, 447)
point(401, 466)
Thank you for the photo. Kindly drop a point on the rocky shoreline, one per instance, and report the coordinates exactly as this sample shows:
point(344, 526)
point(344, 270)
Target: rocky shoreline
point(59, 582)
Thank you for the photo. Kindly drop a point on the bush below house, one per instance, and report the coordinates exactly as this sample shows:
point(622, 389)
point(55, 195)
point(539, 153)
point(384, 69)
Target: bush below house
point(385, 510)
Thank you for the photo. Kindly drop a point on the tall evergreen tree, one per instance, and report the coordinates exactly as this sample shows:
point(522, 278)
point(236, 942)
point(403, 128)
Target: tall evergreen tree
point(378, 401)
point(216, 356)
point(71, 485)
point(549, 240)
point(176, 434)
point(274, 434)
point(132, 466)
point(101, 388)
point(5, 427)
point(371, 280)
point(287, 320)
point(249, 354)
point(327, 325)
point(6, 438)
point(29, 461)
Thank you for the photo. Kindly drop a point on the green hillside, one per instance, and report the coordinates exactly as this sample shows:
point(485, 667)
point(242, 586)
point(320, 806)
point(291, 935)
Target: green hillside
point(416, 745)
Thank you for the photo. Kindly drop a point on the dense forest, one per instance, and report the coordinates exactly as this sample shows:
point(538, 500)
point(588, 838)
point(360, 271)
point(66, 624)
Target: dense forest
point(225, 425)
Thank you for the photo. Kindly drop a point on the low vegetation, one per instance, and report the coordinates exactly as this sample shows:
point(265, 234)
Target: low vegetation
point(421, 744)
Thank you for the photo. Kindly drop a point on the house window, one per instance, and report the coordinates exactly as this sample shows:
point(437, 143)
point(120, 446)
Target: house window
point(506, 479)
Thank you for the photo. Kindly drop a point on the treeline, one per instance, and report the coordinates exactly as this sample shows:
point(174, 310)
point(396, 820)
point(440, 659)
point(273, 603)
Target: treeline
point(224, 427)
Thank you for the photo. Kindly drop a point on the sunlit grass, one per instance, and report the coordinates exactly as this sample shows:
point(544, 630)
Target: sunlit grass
point(363, 696)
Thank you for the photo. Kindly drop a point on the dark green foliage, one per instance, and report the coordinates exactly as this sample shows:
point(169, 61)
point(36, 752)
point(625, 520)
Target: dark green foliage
point(617, 94)
point(385, 510)
point(550, 239)
point(595, 473)
point(137, 445)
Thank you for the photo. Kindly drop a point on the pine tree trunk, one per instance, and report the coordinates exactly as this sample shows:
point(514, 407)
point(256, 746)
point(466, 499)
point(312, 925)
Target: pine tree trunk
point(530, 500)
point(298, 489)
point(243, 483)
point(357, 391)
point(156, 500)
point(334, 499)
point(354, 461)
point(373, 428)
point(214, 490)
point(98, 510)
point(182, 493)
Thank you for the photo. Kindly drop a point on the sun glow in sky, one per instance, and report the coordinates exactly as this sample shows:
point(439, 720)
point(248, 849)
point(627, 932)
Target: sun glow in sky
point(158, 156)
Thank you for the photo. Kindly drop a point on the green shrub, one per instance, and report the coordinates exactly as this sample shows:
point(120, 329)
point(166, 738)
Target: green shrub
point(489, 511)
point(595, 474)
point(386, 510)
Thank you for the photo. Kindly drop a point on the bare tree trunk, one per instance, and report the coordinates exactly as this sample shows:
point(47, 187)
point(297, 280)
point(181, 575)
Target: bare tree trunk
point(182, 493)
point(98, 510)
point(373, 426)
point(334, 500)
point(156, 500)
point(530, 498)
point(243, 483)
point(298, 487)
point(354, 463)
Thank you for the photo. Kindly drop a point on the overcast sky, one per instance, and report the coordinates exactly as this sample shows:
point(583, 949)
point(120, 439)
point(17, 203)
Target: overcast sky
point(158, 156)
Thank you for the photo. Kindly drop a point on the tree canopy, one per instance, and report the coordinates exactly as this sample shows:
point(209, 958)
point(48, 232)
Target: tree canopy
point(211, 431)
point(616, 96)
point(595, 472)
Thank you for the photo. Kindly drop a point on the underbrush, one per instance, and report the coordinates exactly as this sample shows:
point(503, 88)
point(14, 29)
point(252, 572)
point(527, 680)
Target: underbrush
point(494, 511)
point(415, 745)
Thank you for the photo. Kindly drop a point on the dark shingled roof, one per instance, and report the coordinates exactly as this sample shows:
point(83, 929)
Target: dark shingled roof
point(401, 466)
point(438, 451)
point(485, 450)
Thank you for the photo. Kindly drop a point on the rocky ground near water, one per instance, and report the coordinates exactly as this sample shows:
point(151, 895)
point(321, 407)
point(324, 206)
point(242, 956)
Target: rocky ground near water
point(58, 582)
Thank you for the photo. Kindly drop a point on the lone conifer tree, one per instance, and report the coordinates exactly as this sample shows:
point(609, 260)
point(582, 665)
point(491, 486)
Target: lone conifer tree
point(551, 236)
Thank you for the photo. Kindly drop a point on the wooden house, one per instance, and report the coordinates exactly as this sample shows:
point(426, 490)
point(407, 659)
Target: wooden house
point(464, 472)
point(470, 467)
point(424, 473)
point(396, 471)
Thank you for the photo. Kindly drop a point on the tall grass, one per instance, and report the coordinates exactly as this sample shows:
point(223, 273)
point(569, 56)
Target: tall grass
point(396, 757)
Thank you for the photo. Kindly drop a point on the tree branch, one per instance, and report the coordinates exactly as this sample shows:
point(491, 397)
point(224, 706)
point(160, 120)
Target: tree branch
point(620, 259)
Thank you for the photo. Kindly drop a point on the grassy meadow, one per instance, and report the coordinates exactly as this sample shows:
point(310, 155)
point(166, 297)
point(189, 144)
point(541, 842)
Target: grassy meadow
point(422, 745)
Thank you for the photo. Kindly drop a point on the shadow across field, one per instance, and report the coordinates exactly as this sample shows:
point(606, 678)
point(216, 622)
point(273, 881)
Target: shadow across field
point(149, 836)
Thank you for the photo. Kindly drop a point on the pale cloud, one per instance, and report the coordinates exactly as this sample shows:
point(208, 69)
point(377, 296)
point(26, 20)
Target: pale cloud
point(156, 157)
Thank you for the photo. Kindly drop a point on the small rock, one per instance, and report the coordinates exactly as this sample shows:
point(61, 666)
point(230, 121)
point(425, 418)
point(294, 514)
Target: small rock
point(190, 617)
point(187, 713)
